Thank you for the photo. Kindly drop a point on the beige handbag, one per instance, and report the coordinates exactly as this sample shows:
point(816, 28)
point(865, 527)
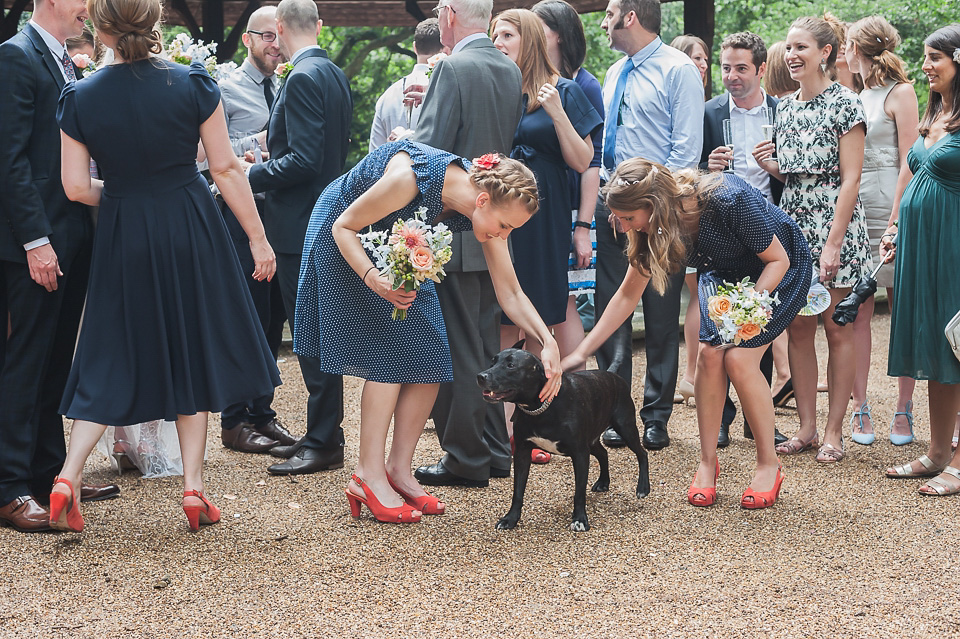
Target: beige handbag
point(952, 331)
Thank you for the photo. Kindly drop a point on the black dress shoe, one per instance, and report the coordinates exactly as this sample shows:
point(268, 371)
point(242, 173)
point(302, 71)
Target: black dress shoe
point(723, 439)
point(655, 436)
point(275, 430)
point(499, 473)
point(92, 492)
point(784, 395)
point(438, 475)
point(612, 439)
point(309, 460)
point(244, 439)
point(778, 437)
point(286, 452)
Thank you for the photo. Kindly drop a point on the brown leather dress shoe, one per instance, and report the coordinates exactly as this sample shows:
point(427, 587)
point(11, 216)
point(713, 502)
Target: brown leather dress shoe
point(25, 514)
point(286, 452)
point(275, 430)
point(309, 460)
point(92, 492)
point(243, 438)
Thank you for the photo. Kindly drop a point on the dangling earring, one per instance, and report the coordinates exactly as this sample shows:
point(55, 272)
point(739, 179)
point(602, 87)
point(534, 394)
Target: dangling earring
point(823, 65)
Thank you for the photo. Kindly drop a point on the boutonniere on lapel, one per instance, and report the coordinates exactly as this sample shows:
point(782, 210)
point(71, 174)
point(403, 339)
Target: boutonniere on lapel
point(283, 70)
point(432, 62)
point(83, 62)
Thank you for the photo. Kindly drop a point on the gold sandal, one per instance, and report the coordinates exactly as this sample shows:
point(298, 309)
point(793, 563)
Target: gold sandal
point(795, 445)
point(906, 471)
point(830, 454)
point(937, 487)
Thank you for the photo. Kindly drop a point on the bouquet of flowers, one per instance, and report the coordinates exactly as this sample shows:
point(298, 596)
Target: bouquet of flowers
point(410, 253)
point(740, 311)
point(183, 50)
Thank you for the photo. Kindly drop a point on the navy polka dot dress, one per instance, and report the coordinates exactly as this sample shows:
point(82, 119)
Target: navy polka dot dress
point(737, 224)
point(343, 323)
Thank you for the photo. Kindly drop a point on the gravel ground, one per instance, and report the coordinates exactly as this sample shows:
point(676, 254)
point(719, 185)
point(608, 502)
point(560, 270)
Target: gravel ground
point(844, 553)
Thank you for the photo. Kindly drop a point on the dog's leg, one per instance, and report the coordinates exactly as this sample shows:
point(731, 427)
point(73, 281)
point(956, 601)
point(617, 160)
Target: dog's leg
point(625, 423)
point(581, 468)
point(602, 484)
point(521, 470)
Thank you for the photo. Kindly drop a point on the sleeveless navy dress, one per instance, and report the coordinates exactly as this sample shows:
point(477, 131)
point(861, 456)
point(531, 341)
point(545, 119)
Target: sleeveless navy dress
point(343, 323)
point(169, 327)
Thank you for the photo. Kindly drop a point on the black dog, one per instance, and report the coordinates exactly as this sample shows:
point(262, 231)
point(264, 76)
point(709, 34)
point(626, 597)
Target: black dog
point(588, 403)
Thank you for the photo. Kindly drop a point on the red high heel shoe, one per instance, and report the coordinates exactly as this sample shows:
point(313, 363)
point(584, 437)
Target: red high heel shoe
point(703, 497)
point(399, 515)
point(537, 456)
point(753, 500)
point(426, 504)
point(204, 513)
point(64, 513)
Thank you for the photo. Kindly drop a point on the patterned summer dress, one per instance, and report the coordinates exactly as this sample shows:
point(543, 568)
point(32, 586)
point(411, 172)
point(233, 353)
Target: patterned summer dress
point(808, 135)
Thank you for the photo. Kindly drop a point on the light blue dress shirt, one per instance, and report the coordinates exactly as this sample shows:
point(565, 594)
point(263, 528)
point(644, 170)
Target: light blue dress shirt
point(662, 115)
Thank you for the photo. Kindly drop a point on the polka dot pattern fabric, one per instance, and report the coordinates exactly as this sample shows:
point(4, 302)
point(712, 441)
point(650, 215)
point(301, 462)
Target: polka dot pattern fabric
point(343, 323)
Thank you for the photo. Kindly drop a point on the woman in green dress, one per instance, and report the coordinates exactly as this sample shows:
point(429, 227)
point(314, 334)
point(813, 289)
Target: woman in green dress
point(927, 260)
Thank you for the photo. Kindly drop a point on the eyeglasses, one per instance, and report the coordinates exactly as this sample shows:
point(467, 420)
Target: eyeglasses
point(266, 36)
point(437, 9)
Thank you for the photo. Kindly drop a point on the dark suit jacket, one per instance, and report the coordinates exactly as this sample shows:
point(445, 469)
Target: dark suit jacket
point(472, 106)
point(307, 137)
point(714, 113)
point(32, 201)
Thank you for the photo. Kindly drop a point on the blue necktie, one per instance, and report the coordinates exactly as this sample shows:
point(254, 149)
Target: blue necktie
point(613, 117)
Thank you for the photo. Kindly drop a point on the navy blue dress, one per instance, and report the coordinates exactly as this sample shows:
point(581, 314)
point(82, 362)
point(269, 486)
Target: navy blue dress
point(737, 224)
point(343, 323)
point(169, 327)
point(541, 247)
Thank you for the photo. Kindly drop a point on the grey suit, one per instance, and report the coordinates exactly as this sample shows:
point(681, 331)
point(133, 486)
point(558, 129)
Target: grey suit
point(473, 105)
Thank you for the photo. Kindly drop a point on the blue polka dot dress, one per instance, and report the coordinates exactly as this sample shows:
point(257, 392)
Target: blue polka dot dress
point(343, 323)
point(737, 224)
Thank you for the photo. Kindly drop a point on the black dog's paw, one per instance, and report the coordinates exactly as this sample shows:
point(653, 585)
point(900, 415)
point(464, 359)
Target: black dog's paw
point(580, 526)
point(601, 486)
point(643, 489)
point(507, 523)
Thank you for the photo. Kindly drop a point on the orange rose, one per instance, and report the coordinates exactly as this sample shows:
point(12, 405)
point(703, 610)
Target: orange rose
point(748, 331)
point(718, 305)
point(421, 258)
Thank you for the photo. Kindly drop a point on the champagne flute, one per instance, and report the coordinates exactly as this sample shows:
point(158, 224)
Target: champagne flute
point(768, 116)
point(418, 77)
point(728, 141)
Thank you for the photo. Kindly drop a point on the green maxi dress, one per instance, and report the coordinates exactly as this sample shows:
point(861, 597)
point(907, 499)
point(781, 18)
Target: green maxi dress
point(927, 275)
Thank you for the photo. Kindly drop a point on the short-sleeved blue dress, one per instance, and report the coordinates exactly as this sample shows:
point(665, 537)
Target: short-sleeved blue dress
point(737, 224)
point(541, 247)
point(169, 327)
point(343, 323)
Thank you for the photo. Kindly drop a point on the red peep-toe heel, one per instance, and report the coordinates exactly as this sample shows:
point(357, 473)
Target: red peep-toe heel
point(753, 500)
point(64, 513)
point(204, 513)
point(399, 515)
point(426, 504)
point(703, 497)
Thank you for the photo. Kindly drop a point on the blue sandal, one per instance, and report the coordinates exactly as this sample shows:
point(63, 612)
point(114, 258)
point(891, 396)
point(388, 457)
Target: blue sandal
point(856, 425)
point(902, 440)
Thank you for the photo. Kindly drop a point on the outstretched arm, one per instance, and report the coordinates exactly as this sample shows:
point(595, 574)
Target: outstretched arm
point(392, 192)
point(518, 307)
point(621, 306)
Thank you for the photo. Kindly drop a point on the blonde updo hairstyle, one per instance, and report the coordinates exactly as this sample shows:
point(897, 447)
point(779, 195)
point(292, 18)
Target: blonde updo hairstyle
point(641, 185)
point(506, 182)
point(826, 30)
point(135, 24)
point(877, 40)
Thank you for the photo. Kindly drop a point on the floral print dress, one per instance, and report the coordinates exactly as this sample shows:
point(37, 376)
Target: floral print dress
point(807, 137)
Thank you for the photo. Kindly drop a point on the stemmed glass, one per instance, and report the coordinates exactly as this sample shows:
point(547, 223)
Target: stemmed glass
point(767, 116)
point(728, 141)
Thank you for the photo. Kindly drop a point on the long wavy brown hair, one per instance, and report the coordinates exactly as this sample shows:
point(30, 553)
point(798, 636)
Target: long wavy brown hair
point(675, 202)
point(535, 66)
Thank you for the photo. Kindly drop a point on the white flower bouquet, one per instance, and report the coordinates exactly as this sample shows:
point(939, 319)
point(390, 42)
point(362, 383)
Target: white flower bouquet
point(740, 311)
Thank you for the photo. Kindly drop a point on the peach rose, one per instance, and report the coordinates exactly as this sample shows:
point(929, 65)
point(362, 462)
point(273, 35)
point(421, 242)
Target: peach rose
point(748, 331)
point(718, 305)
point(421, 258)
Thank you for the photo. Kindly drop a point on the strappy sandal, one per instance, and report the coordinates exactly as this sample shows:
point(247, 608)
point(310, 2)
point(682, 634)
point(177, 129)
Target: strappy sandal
point(901, 440)
point(856, 425)
point(937, 487)
point(906, 471)
point(795, 445)
point(830, 454)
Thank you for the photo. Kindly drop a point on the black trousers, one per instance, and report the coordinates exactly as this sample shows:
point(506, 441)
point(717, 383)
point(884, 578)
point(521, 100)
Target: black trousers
point(36, 362)
point(661, 315)
point(325, 402)
point(268, 301)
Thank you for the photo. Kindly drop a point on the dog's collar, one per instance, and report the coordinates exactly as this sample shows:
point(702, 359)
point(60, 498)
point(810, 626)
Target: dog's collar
point(533, 413)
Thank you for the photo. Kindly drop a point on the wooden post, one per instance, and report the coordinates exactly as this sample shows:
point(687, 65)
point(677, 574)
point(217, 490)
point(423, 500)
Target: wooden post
point(213, 22)
point(698, 20)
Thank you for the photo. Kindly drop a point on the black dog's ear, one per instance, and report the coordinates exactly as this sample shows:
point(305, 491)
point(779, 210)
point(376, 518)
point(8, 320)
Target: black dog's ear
point(519, 345)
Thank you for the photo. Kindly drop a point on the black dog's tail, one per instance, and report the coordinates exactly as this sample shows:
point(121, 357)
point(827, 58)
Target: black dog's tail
point(622, 351)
